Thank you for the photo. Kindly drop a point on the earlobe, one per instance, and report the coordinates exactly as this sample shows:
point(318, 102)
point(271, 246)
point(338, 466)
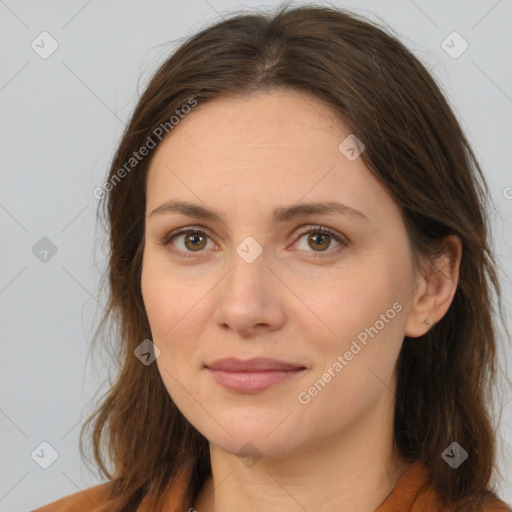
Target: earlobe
point(436, 290)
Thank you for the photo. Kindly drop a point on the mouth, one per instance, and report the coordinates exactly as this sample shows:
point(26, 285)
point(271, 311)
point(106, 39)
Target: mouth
point(253, 375)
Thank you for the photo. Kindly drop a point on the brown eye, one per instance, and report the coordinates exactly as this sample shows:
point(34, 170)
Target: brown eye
point(195, 241)
point(320, 240)
point(186, 241)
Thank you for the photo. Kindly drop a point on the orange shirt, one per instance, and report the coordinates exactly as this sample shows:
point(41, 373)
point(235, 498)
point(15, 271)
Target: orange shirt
point(410, 494)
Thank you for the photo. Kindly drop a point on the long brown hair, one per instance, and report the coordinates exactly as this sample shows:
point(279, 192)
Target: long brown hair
point(413, 144)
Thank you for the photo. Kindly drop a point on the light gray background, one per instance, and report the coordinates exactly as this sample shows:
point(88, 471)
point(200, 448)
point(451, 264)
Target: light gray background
point(61, 120)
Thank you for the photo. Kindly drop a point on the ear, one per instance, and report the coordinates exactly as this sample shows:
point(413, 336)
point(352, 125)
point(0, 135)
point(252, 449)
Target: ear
point(435, 291)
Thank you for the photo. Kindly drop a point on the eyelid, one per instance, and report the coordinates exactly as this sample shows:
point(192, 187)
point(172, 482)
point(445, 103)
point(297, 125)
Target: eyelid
point(166, 239)
point(300, 232)
point(342, 240)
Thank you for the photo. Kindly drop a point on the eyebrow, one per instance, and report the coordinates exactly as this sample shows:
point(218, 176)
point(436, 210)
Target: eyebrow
point(280, 214)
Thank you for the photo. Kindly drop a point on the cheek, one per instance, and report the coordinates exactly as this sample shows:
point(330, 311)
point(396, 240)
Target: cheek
point(365, 311)
point(354, 299)
point(158, 301)
point(165, 305)
point(174, 310)
point(357, 368)
point(167, 299)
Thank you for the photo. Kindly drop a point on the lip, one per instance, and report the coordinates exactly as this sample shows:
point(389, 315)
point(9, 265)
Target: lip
point(255, 364)
point(252, 375)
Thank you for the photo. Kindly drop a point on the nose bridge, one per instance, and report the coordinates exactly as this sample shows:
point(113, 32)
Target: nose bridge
point(249, 266)
point(247, 297)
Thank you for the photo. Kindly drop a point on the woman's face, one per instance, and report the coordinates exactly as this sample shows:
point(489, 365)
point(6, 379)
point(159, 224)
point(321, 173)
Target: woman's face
point(333, 304)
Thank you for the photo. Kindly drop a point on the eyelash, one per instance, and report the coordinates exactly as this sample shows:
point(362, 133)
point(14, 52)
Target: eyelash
point(168, 238)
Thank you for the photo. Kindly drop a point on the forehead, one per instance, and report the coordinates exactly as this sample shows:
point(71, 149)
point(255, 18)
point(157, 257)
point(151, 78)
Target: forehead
point(267, 118)
point(274, 148)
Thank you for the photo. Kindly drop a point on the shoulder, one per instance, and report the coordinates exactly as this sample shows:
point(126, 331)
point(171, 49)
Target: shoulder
point(414, 492)
point(88, 500)
point(430, 501)
point(486, 501)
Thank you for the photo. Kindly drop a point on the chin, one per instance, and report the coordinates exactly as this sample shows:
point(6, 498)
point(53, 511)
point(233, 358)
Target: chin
point(252, 448)
point(257, 438)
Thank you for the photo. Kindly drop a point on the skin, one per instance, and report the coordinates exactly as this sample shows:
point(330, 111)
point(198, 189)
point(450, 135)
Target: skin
point(295, 302)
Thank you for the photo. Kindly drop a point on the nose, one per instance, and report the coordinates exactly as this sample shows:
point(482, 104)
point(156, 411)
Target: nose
point(250, 298)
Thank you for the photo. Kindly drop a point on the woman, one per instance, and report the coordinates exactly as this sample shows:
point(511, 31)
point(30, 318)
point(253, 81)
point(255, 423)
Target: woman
point(301, 272)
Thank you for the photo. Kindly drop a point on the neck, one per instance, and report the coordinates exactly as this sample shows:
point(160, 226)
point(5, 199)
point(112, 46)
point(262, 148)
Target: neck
point(354, 470)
